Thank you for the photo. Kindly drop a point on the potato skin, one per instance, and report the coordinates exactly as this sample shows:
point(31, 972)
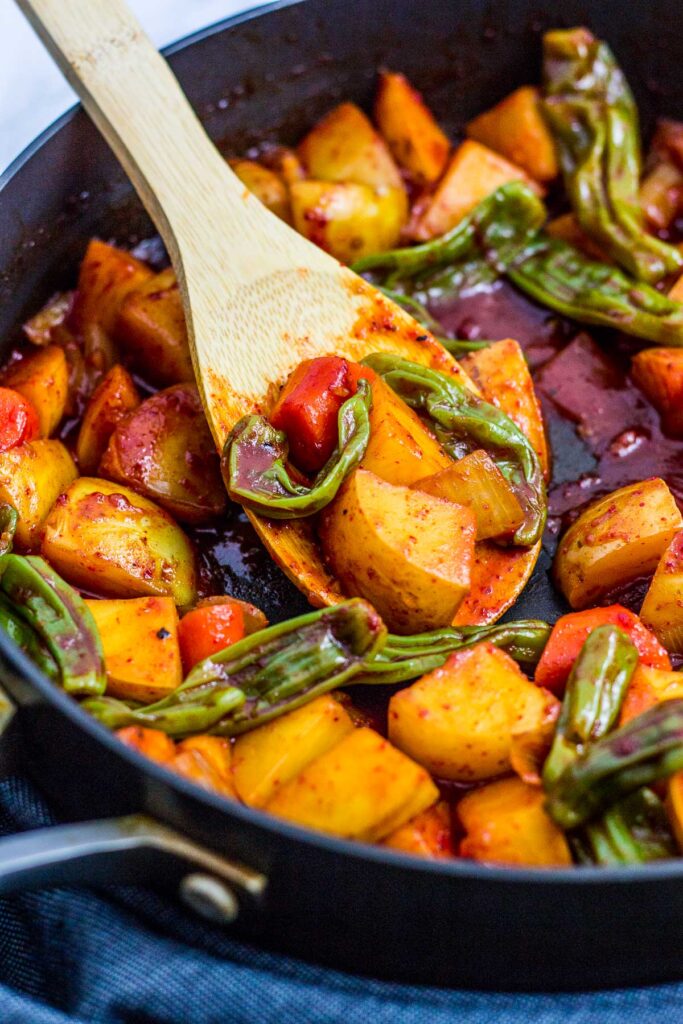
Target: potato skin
point(141, 651)
point(32, 476)
point(408, 553)
point(265, 184)
point(114, 397)
point(618, 538)
point(363, 788)
point(164, 450)
point(266, 758)
point(346, 219)
point(459, 720)
point(505, 823)
point(150, 327)
point(105, 538)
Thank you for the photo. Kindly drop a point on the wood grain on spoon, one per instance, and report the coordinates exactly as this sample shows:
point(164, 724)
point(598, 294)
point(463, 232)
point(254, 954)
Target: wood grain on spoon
point(258, 297)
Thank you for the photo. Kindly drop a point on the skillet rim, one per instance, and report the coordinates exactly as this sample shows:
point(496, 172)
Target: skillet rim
point(463, 869)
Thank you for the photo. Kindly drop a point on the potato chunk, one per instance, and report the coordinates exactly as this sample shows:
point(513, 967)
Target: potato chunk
point(476, 482)
point(165, 451)
point(408, 553)
point(108, 539)
point(618, 538)
point(361, 789)
point(472, 174)
point(505, 823)
point(658, 372)
point(270, 756)
point(206, 761)
point(32, 476)
point(426, 835)
point(140, 641)
point(266, 185)
point(413, 136)
point(42, 377)
point(346, 219)
point(344, 146)
point(458, 721)
point(662, 608)
point(150, 326)
point(114, 397)
point(650, 686)
point(515, 127)
point(400, 450)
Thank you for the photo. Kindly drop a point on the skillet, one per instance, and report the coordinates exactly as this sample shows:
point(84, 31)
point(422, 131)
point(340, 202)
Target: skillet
point(270, 75)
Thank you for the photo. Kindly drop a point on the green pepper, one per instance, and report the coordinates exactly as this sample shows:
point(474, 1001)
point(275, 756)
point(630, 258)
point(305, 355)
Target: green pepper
point(60, 618)
point(9, 517)
point(408, 657)
point(255, 454)
point(463, 423)
point(262, 676)
point(634, 831)
point(592, 701)
point(646, 749)
point(25, 637)
point(594, 119)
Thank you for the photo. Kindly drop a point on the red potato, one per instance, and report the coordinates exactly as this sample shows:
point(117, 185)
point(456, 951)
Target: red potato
point(114, 397)
point(164, 450)
point(150, 328)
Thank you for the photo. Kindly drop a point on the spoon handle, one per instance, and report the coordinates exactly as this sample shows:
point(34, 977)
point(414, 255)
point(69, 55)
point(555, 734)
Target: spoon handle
point(133, 97)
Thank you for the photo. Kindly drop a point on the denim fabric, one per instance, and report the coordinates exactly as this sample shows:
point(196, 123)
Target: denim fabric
point(133, 957)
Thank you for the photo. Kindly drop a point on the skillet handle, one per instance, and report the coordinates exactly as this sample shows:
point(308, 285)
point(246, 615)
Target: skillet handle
point(133, 849)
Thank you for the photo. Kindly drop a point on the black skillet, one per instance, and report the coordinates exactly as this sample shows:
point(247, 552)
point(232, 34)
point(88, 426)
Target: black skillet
point(359, 908)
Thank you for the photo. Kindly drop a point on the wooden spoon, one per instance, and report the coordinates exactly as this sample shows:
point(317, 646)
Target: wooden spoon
point(258, 298)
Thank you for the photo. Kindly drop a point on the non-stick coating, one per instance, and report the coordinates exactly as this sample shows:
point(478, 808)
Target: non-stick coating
point(358, 908)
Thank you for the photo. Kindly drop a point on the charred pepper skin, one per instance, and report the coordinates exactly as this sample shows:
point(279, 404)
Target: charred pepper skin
point(593, 116)
point(262, 676)
point(464, 422)
point(646, 749)
point(595, 692)
point(25, 637)
point(634, 831)
point(254, 463)
point(60, 618)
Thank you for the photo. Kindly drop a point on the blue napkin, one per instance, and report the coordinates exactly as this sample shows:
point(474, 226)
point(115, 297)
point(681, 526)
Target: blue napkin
point(133, 957)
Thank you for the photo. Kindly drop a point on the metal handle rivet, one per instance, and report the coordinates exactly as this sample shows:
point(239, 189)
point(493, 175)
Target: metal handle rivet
point(210, 897)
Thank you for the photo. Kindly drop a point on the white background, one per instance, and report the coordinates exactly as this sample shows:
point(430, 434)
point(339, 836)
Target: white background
point(33, 92)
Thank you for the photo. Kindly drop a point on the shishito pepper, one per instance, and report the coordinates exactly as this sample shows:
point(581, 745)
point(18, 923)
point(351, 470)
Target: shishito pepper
point(594, 119)
point(35, 594)
point(261, 676)
point(464, 423)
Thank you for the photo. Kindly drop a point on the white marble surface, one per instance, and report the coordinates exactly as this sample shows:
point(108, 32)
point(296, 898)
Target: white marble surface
point(32, 90)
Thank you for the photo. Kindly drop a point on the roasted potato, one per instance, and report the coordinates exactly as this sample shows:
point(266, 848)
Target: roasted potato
point(458, 720)
point(150, 327)
point(265, 184)
point(344, 146)
point(661, 194)
point(662, 609)
point(617, 539)
point(502, 374)
point(42, 377)
point(516, 128)
point(206, 761)
point(152, 743)
point(140, 641)
point(400, 450)
point(476, 481)
point(473, 173)
point(408, 553)
point(416, 142)
point(32, 476)
point(363, 788)
point(650, 686)
point(567, 228)
point(165, 451)
point(115, 396)
point(346, 219)
point(505, 823)
point(427, 835)
point(658, 372)
point(270, 756)
point(105, 538)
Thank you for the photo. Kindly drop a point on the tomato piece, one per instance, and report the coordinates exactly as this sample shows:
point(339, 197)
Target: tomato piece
point(307, 409)
point(209, 629)
point(571, 632)
point(18, 420)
